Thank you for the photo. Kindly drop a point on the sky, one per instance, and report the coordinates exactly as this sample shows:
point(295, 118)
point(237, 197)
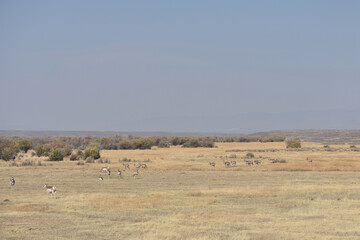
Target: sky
point(201, 66)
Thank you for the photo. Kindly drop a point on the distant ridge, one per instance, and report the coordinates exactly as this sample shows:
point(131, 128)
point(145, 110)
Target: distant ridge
point(44, 133)
point(330, 136)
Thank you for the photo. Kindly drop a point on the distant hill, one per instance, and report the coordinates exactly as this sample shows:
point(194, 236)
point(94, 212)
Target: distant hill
point(25, 133)
point(324, 136)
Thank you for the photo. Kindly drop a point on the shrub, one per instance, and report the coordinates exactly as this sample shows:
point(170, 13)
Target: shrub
point(56, 155)
point(77, 155)
point(293, 143)
point(92, 152)
point(249, 155)
point(67, 150)
point(28, 163)
point(9, 153)
point(326, 146)
point(164, 144)
point(233, 156)
point(89, 160)
point(25, 144)
point(80, 163)
point(352, 146)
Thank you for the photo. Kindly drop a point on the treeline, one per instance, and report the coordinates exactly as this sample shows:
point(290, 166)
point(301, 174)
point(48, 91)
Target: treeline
point(56, 148)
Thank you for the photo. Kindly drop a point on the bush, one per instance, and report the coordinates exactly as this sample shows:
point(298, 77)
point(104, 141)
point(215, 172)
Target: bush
point(77, 155)
point(164, 144)
point(25, 144)
point(28, 163)
point(249, 155)
point(67, 150)
point(233, 156)
point(56, 155)
point(9, 153)
point(92, 152)
point(89, 160)
point(326, 146)
point(352, 146)
point(293, 143)
point(80, 163)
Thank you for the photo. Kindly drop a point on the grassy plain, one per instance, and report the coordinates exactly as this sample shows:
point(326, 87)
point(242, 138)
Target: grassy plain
point(181, 197)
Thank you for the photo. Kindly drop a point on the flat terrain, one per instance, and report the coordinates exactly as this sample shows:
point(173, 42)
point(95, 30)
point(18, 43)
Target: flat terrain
point(180, 196)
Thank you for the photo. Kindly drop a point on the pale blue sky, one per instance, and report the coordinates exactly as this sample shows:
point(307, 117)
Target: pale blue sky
point(179, 65)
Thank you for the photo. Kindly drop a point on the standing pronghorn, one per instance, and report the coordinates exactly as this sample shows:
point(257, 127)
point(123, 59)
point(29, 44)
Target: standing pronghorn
point(226, 163)
point(137, 166)
point(126, 166)
point(119, 172)
point(12, 182)
point(308, 159)
point(50, 189)
point(108, 172)
point(233, 163)
point(136, 173)
point(105, 169)
point(212, 164)
point(143, 165)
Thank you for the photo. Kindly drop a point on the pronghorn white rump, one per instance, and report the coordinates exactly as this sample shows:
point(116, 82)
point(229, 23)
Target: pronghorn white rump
point(12, 182)
point(100, 178)
point(50, 189)
point(136, 173)
point(105, 169)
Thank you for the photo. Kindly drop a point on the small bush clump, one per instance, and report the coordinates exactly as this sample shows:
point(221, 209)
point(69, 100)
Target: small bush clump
point(92, 152)
point(249, 155)
point(293, 143)
point(56, 155)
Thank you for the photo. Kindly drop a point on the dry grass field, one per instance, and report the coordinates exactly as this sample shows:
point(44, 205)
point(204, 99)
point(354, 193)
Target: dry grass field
point(180, 196)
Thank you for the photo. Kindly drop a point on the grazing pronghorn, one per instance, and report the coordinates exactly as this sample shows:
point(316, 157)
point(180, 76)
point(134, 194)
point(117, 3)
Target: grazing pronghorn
point(12, 182)
point(126, 166)
point(212, 164)
point(100, 178)
point(257, 162)
point(226, 163)
point(233, 163)
point(50, 189)
point(136, 173)
point(308, 159)
point(105, 169)
point(137, 166)
point(119, 172)
point(249, 162)
point(143, 165)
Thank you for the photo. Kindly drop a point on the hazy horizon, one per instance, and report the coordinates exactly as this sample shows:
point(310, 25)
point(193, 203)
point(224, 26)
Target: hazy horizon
point(179, 66)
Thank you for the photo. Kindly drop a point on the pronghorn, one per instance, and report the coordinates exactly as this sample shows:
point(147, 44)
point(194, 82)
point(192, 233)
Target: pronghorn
point(137, 166)
point(12, 182)
point(212, 164)
point(233, 163)
point(119, 172)
point(100, 178)
point(226, 163)
point(308, 159)
point(136, 173)
point(108, 172)
point(126, 166)
point(257, 162)
point(50, 189)
point(249, 162)
point(105, 169)
point(143, 165)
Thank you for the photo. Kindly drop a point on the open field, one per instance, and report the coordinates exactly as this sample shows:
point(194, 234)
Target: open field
point(180, 196)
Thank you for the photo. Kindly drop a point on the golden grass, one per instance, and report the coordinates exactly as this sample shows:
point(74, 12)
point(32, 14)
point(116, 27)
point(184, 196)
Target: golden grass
point(181, 197)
